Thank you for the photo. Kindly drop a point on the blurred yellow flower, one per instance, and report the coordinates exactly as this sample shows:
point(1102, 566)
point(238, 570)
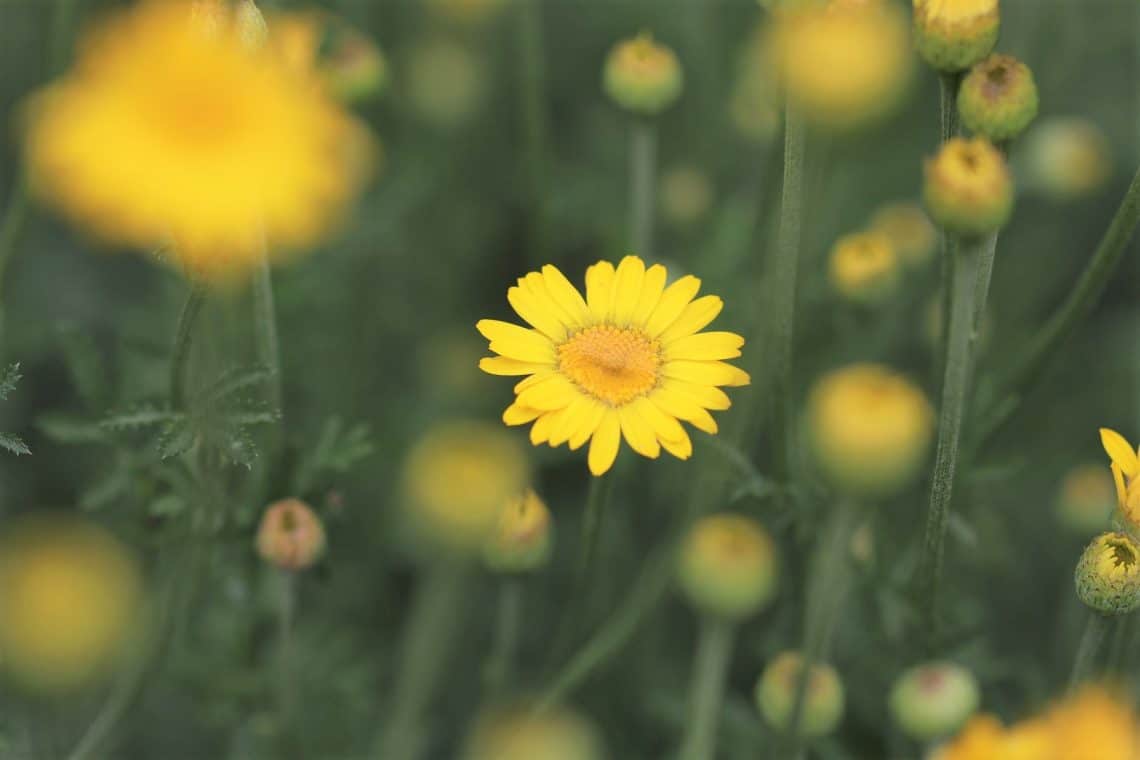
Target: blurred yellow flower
point(70, 597)
point(522, 733)
point(167, 131)
point(909, 229)
point(521, 540)
point(844, 65)
point(446, 82)
point(458, 478)
point(685, 196)
point(1067, 158)
point(627, 360)
point(1086, 499)
point(1125, 473)
point(870, 429)
point(985, 738)
point(864, 267)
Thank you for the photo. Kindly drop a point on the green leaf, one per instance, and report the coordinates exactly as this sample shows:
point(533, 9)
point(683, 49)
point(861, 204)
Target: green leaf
point(238, 446)
point(65, 428)
point(13, 444)
point(233, 381)
point(176, 438)
point(139, 417)
point(8, 380)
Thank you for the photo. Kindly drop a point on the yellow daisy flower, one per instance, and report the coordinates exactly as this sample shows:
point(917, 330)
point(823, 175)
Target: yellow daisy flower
point(170, 130)
point(1126, 474)
point(628, 360)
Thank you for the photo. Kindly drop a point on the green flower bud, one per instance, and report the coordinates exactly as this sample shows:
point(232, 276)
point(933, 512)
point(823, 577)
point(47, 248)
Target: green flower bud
point(823, 700)
point(998, 98)
point(642, 76)
point(968, 188)
point(953, 35)
point(521, 542)
point(728, 566)
point(1108, 574)
point(865, 268)
point(933, 700)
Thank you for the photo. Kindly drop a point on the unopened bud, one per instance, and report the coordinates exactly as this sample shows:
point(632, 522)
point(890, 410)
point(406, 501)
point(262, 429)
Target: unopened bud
point(728, 566)
point(998, 98)
point(953, 35)
point(642, 76)
point(823, 700)
point(934, 700)
point(291, 535)
point(521, 541)
point(1108, 574)
point(968, 188)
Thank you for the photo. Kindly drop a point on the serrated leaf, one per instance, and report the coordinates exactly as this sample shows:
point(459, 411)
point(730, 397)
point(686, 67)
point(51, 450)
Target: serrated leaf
point(238, 447)
point(8, 380)
point(176, 438)
point(139, 417)
point(13, 444)
point(65, 428)
point(254, 416)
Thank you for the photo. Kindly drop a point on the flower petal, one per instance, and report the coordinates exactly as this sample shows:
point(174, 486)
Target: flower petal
point(501, 365)
point(604, 445)
point(684, 408)
point(638, 433)
point(665, 426)
point(681, 448)
point(587, 425)
point(705, 346)
point(708, 396)
point(536, 313)
point(554, 393)
point(599, 289)
point(652, 286)
point(1120, 452)
point(563, 293)
point(519, 415)
point(693, 318)
point(705, 373)
point(627, 289)
point(517, 342)
point(673, 301)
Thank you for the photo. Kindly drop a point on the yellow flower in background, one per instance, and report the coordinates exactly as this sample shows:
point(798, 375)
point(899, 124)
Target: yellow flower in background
point(458, 478)
point(168, 132)
point(1067, 158)
point(1125, 473)
point(1086, 499)
point(844, 65)
point(628, 360)
point(446, 83)
point(864, 267)
point(985, 738)
point(1094, 724)
point(523, 733)
point(70, 597)
point(909, 229)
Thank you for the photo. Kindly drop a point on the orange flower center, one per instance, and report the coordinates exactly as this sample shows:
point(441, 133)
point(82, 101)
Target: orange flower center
point(612, 364)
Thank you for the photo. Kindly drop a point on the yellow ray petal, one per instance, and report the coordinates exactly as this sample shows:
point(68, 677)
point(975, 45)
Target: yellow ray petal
point(554, 393)
point(694, 317)
point(535, 284)
point(627, 289)
point(599, 289)
point(604, 444)
point(665, 426)
point(570, 420)
point(1121, 489)
point(681, 448)
point(673, 301)
point(536, 314)
point(705, 346)
point(519, 415)
point(684, 408)
point(566, 295)
point(501, 365)
point(538, 377)
point(587, 425)
point(706, 395)
point(1120, 452)
point(705, 373)
point(638, 433)
point(652, 286)
point(516, 342)
point(540, 432)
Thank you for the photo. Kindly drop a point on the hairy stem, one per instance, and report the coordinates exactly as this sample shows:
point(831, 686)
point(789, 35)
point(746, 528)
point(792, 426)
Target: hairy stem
point(642, 185)
point(706, 694)
point(183, 336)
point(1085, 659)
point(955, 385)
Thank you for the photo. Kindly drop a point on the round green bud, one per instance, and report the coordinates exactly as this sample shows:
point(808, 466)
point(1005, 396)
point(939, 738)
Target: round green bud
point(998, 98)
point(823, 701)
point(521, 541)
point(642, 76)
point(728, 566)
point(933, 700)
point(968, 188)
point(953, 35)
point(1108, 574)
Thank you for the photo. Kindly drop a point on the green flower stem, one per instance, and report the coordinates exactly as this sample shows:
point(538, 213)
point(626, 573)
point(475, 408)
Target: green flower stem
point(1012, 384)
point(12, 227)
point(642, 185)
point(710, 671)
point(265, 323)
point(532, 71)
point(597, 500)
point(960, 338)
point(948, 83)
point(183, 336)
point(427, 642)
point(783, 274)
point(1091, 639)
point(507, 620)
point(286, 612)
point(827, 590)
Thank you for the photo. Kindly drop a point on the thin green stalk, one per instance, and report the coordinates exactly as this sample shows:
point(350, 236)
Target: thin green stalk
point(183, 336)
point(710, 671)
point(827, 590)
point(597, 499)
point(781, 308)
point(642, 185)
point(1012, 384)
point(532, 71)
point(286, 611)
point(955, 384)
point(507, 620)
point(427, 642)
point(1085, 660)
point(265, 325)
point(15, 217)
point(948, 83)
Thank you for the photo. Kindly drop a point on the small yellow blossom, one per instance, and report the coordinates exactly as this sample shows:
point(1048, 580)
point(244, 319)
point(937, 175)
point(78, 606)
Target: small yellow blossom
point(909, 229)
point(628, 360)
point(1108, 574)
point(864, 267)
point(843, 65)
point(167, 133)
point(70, 599)
point(522, 733)
point(1067, 158)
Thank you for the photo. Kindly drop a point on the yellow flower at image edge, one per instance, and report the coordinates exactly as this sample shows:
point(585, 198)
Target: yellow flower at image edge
point(168, 132)
point(1125, 473)
point(628, 360)
point(69, 595)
